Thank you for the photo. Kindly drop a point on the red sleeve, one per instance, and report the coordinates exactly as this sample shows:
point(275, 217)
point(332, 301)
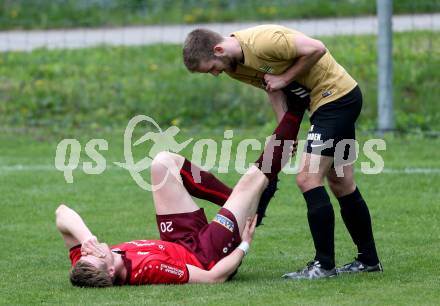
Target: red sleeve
point(162, 271)
point(75, 254)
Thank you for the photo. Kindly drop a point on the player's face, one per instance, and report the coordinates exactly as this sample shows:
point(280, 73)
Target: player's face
point(98, 261)
point(218, 65)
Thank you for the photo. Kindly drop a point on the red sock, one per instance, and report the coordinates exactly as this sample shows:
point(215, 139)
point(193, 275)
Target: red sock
point(277, 151)
point(203, 185)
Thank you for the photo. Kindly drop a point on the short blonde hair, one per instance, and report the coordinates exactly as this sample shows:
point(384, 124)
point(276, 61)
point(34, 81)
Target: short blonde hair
point(84, 274)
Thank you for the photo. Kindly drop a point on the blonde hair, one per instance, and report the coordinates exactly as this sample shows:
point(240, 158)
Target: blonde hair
point(84, 274)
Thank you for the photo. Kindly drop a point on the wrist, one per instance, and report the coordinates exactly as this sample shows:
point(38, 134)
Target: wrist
point(87, 237)
point(287, 78)
point(244, 246)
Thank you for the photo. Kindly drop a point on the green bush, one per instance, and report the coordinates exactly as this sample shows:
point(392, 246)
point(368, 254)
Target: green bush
point(106, 86)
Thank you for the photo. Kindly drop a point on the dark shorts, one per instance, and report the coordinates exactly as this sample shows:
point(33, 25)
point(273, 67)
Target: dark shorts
point(332, 131)
point(209, 242)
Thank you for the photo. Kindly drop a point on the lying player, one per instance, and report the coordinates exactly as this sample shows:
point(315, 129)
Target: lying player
point(190, 249)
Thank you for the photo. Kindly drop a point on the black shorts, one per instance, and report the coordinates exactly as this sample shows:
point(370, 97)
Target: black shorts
point(298, 98)
point(333, 128)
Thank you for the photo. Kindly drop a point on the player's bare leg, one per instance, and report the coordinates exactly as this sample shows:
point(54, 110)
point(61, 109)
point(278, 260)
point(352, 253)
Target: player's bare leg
point(313, 170)
point(343, 184)
point(171, 197)
point(243, 201)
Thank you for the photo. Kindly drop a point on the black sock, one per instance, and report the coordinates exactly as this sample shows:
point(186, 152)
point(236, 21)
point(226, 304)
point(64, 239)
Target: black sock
point(322, 225)
point(354, 212)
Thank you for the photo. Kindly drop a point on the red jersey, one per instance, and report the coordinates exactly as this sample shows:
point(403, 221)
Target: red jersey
point(151, 261)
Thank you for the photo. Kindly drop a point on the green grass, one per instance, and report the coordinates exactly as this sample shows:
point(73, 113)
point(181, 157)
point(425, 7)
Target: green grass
point(106, 86)
point(34, 264)
point(31, 14)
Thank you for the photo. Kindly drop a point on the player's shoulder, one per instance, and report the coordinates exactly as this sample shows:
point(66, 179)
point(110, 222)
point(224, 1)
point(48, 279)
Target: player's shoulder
point(263, 38)
point(264, 29)
point(133, 245)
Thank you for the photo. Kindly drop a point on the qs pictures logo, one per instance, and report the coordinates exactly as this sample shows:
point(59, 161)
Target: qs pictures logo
point(69, 150)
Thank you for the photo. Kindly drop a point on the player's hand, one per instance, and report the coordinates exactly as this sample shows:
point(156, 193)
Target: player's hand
point(249, 229)
point(274, 82)
point(91, 246)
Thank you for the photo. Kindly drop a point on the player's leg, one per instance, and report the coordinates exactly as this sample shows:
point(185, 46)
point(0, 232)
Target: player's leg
point(219, 238)
point(274, 155)
point(243, 201)
point(277, 152)
point(170, 169)
point(178, 218)
point(203, 184)
point(343, 184)
point(222, 236)
point(320, 215)
point(354, 210)
point(356, 217)
point(169, 194)
point(316, 161)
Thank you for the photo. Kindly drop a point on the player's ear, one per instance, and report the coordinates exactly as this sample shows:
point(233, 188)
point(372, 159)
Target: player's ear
point(111, 271)
point(218, 50)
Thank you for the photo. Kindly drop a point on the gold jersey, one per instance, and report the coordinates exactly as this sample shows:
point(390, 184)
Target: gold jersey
point(271, 49)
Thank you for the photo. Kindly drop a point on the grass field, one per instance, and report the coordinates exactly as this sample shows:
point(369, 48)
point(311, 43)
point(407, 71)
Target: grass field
point(104, 86)
point(34, 265)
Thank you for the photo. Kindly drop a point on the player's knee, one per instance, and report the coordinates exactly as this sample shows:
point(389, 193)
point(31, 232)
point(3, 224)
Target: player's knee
point(161, 163)
point(307, 181)
point(341, 186)
point(166, 158)
point(301, 180)
point(254, 179)
point(163, 158)
point(60, 209)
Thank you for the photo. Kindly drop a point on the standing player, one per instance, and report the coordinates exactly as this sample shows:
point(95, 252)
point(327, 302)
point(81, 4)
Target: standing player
point(287, 64)
point(190, 249)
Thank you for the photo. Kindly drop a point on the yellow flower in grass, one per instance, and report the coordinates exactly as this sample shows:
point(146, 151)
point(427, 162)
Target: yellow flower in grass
point(39, 83)
point(272, 10)
point(176, 121)
point(189, 18)
point(268, 10)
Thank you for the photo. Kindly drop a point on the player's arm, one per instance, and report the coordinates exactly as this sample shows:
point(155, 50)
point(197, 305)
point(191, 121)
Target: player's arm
point(71, 226)
point(278, 101)
point(308, 52)
point(75, 232)
point(228, 265)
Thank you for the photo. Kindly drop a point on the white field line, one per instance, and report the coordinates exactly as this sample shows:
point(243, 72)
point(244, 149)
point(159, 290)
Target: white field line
point(4, 169)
